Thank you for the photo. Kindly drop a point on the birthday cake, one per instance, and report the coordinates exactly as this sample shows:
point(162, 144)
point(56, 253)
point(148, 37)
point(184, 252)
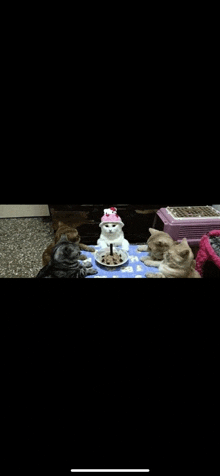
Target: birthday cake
point(112, 260)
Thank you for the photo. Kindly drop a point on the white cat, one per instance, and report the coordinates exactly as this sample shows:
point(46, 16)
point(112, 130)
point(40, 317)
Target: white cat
point(112, 233)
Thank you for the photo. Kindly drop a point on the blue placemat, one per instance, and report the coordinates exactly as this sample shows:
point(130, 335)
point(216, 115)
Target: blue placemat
point(134, 268)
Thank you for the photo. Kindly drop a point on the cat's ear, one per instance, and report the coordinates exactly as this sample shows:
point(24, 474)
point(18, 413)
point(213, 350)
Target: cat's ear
point(60, 223)
point(153, 231)
point(185, 251)
point(184, 242)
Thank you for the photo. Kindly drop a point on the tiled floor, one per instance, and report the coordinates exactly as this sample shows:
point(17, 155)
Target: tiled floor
point(22, 242)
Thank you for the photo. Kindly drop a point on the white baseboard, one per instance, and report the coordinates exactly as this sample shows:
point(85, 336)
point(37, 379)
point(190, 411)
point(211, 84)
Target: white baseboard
point(16, 211)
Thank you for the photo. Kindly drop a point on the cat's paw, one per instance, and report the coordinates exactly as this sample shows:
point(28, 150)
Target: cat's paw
point(154, 275)
point(144, 258)
point(91, 249)
point(125, 245)
point(87, 265)
point(148, 262)
point(142, 248)
point(91, 271)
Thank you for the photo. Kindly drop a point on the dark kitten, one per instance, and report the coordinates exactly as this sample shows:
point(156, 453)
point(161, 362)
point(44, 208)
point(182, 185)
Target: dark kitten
point(215, 243)
point(72, 235)
point(65, 263)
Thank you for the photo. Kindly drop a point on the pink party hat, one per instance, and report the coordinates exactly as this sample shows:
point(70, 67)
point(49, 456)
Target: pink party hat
point(111, 216)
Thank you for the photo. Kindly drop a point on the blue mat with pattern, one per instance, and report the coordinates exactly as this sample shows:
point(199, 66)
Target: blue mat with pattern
point(134, 268)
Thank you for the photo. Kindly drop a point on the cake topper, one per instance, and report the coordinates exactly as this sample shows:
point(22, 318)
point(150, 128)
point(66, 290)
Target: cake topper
point(112, 213)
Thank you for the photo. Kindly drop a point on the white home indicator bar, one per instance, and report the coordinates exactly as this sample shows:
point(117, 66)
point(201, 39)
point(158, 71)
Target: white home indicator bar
point(110, 470)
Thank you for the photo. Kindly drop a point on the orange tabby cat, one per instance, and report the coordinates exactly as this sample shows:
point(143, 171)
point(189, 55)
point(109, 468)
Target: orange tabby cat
point(72, 235)
point(158, 243)
point(178, 262)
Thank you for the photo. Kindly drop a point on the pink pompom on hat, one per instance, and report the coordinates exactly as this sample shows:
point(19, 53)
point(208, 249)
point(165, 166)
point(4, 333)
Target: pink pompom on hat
point(111, 216)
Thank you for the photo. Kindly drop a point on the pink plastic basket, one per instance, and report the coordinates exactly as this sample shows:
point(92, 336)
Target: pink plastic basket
point(189, 222)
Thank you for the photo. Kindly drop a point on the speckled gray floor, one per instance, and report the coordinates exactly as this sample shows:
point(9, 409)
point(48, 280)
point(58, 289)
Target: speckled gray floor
point(22, 242)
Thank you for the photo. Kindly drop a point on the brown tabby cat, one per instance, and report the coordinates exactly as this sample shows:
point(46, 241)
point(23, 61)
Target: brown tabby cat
point(72, 236)
point(158, 243)
point(178, 262)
